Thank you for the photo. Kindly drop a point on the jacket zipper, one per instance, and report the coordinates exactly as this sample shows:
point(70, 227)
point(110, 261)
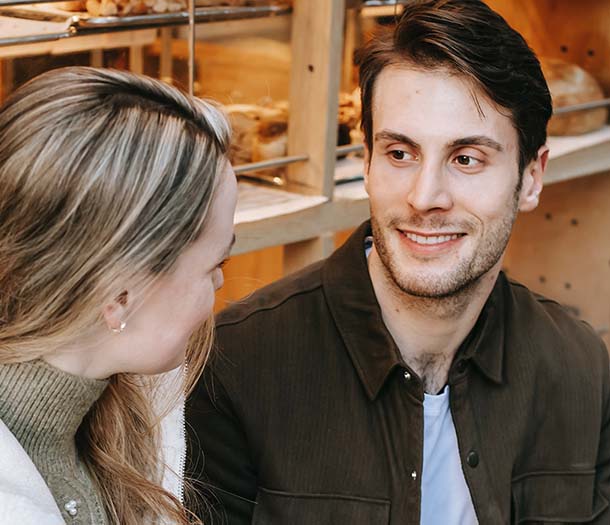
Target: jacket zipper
point(182, 463)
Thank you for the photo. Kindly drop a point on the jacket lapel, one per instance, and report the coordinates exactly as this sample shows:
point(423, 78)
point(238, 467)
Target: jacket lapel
point(24, 495)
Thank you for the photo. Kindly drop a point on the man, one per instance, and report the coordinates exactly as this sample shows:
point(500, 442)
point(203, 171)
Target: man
point(406, 380)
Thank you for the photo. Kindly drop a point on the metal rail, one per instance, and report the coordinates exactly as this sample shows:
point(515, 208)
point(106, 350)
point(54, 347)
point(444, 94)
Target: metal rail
point(23, 2)
point(383, 3)
point(349, 148)
point(285, 161)
point(270, 163)
point(80, 25)
point(581, 107)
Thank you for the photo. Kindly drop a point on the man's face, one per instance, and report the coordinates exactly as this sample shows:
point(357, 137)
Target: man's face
point(442, 178)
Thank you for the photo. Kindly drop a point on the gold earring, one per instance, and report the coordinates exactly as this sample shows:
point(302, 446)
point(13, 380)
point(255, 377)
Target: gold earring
point(120, 328)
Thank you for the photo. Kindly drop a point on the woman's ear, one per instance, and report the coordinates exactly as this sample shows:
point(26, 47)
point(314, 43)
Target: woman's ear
point(115, 312)
point(532, 183)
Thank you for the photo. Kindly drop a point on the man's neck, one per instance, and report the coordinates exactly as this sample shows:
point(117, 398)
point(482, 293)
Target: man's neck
point(428, 332)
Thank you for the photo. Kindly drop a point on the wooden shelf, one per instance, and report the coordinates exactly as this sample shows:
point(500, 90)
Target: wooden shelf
point(258, 202)
point(268, 217)
point(62, 45)
point(261, 222)
point(48, 24)
point(578, 156)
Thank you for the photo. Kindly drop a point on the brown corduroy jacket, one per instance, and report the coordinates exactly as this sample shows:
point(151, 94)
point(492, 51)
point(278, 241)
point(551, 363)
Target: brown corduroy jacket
point(306, 415)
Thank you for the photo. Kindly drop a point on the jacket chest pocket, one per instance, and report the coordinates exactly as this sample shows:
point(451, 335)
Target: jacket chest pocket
point(283, 508)
point(556, 498)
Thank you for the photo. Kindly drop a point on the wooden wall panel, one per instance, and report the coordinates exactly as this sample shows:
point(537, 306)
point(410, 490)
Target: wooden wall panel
point(247, 273)
point(573, 31)
point(244, 70)
point(562, 249)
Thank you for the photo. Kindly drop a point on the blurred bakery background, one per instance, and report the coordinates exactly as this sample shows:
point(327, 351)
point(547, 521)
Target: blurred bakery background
point(284, 71)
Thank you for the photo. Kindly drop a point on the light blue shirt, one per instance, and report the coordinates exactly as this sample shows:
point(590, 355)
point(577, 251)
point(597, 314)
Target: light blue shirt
point(446, 499)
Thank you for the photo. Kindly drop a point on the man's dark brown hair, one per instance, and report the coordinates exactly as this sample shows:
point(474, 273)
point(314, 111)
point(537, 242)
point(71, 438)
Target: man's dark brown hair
point(469, 39)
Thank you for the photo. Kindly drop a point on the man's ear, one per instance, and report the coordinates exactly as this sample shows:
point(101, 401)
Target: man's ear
point(531, 187)
point(115, 312)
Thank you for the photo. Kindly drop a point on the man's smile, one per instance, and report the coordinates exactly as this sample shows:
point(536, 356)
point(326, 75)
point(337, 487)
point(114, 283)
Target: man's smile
point(430, 242)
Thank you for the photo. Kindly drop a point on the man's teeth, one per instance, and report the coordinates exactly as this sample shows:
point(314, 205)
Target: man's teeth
point(431, 239)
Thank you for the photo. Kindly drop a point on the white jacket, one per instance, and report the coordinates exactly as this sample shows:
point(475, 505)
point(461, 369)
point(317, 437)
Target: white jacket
point(25, 498)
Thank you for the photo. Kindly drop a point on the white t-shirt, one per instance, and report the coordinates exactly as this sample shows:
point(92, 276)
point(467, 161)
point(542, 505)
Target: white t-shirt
point(445, 496)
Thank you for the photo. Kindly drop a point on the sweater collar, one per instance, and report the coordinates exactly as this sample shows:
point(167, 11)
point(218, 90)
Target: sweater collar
point(43, 407)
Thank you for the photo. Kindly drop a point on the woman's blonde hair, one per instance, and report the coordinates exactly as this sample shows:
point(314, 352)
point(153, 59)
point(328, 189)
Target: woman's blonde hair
point(105, 177)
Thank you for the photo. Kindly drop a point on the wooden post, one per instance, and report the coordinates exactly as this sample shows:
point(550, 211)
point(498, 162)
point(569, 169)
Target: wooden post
point(96, 58)
point(352, 19)
point(6, 78)
point(165, 56)
point(136, 59)
point(300, 254)
point(317, 43)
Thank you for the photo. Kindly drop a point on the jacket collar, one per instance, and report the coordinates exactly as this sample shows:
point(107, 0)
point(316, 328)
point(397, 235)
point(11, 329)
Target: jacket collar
point(351, 299)
point(24, 495)
point(486, 342)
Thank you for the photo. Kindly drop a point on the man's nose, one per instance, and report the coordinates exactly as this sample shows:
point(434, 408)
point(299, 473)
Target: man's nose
point(430, 189)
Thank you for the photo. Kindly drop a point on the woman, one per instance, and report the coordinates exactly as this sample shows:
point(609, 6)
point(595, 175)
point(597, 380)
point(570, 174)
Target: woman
point(116, 213)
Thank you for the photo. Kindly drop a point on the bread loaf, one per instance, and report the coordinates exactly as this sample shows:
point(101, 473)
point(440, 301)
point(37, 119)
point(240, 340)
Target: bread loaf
point(77, 5)
point(244, 126)
point(234, 3)
point(570, 84)
point(133, 7)
point(271, 140)
point(259, 132)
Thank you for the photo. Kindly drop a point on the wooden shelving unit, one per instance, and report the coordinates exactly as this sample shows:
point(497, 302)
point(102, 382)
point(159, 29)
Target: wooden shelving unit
point(259, 227)
point(305, 219)
point(561, 250)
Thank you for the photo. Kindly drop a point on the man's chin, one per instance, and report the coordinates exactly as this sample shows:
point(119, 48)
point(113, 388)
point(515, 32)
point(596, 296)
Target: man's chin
point(429, 292)
point(433, 285)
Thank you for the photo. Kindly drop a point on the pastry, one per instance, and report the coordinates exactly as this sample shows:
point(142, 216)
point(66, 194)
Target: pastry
point(570, 84)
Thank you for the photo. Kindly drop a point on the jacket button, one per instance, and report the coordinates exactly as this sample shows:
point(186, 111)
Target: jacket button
point(472, 459)
point(407, 375)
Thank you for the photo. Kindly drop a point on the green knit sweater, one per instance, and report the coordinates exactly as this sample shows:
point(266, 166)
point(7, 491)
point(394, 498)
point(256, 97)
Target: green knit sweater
point(43, 407)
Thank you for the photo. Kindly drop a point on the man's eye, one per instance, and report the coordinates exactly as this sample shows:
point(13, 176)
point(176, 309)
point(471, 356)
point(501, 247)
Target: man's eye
point(467, 161)
point(398, 154)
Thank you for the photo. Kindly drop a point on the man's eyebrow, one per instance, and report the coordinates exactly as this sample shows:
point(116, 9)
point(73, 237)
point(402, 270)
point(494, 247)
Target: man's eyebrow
point(474, 140)
point(386, 134)
point(477, 140)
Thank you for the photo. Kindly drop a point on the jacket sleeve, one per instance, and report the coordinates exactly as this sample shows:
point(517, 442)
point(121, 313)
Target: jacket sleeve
point(603, 457)
point(219, 461)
